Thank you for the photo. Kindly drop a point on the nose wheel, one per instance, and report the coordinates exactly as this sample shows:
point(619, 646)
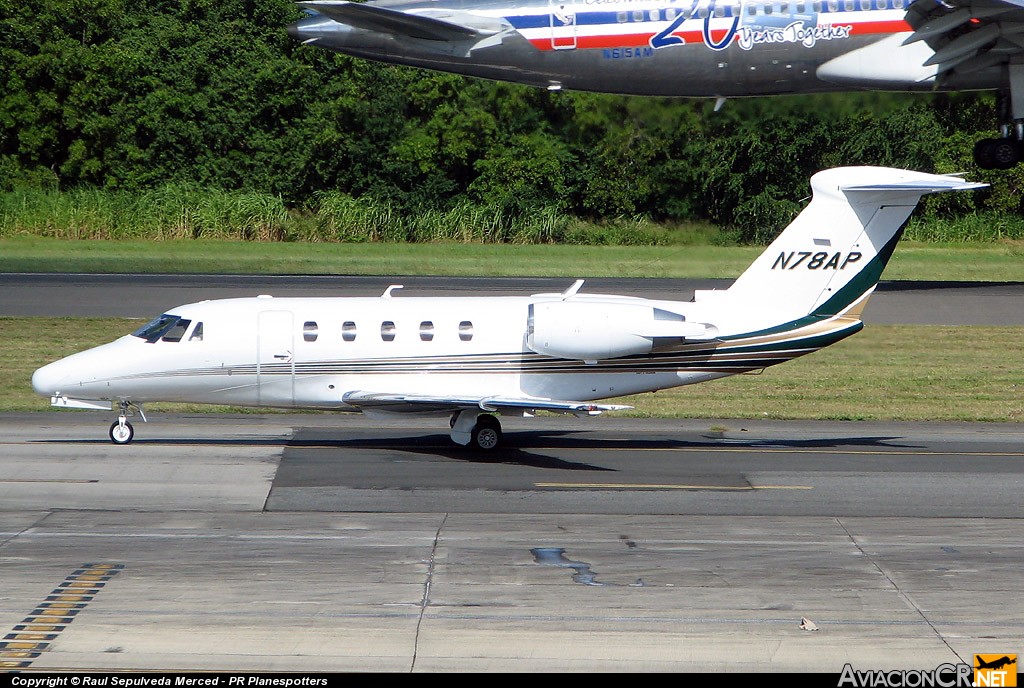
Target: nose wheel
point(121, 431)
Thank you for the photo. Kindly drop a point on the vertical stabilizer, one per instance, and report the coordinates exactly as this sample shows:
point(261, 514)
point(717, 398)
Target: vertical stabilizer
point(830, 258)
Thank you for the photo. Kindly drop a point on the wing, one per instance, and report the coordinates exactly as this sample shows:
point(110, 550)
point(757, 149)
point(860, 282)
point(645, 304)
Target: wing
point(431, 28)
point(968, 36)
point(420, 403)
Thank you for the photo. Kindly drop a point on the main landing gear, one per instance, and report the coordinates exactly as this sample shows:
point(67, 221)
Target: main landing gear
point(1006, 151)
point(121, 431)
point(482, 433)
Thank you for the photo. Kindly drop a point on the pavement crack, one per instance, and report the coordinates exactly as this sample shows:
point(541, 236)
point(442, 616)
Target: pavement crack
point(425, 601)
point(899, 591)
point(24, 530)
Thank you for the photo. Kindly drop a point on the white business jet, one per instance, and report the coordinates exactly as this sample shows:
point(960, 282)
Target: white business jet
point(471, 359)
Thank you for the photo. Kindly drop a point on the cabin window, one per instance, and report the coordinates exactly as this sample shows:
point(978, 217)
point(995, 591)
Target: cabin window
point(784, 8)
point(176, 331)
point(719, 11)
point(865, 4)
point(654, 15)
point(702, 12)
point(465, 330)
point(348, 331)
point(387, 331)
point(622, 17)
point(768, 9)
point(310, 331)
point(670, 13)
point(833, 5)
point(197, 333)
point(848, 5)
point(426, 330)
point(638, 15)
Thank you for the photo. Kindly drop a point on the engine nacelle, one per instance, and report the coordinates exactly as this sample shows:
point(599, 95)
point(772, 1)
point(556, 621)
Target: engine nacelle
point(596, 330)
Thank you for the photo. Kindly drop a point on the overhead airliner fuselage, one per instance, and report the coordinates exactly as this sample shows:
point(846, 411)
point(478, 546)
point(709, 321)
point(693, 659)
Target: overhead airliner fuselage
point(699, 48)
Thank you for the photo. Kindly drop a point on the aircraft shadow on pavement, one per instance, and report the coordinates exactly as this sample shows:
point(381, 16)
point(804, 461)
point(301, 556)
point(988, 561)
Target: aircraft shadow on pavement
point(521, 441)
point(512, 452)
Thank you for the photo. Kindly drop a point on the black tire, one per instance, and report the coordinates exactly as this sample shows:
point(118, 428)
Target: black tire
point(486, 435)
point(119, 436)
point(489, 420)
point(984, 153)
point(1005, 153)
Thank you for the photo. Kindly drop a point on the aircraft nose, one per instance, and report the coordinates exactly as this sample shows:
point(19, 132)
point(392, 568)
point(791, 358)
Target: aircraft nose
point(47, 380)
point(293, 30)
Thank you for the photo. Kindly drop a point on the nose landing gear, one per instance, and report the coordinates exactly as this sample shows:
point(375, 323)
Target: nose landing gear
point(121, 431)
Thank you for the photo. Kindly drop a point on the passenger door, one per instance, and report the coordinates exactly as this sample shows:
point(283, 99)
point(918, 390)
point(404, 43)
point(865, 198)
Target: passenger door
point(275, 359)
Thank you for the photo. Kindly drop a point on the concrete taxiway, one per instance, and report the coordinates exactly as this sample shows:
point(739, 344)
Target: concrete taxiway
point(291, 542)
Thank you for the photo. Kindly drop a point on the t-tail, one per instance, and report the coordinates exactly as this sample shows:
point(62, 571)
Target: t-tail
point(827, 262)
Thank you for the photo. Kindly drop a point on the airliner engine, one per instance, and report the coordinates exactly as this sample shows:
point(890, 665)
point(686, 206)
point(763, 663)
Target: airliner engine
point(598, 330)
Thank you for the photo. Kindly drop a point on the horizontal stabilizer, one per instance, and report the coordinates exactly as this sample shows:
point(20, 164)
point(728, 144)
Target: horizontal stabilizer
point(371, 18)
point(419, 403)
point(927, 184)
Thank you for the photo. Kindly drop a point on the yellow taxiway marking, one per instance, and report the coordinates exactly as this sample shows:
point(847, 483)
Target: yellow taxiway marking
point(655, 486)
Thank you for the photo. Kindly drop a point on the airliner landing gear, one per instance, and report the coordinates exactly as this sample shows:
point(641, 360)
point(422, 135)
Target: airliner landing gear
point(121, 431)
point(1006, 151)
point(997, 154)
point(482, 433)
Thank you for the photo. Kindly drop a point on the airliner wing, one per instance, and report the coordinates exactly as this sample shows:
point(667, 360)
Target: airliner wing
point(419, 403)
point(968, 35)
point(383, 20)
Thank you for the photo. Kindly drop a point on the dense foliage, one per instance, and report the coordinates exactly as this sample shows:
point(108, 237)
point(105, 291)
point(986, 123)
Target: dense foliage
point(161, 98)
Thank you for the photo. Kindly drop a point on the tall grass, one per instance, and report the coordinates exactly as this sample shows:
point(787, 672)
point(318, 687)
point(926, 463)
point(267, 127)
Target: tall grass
point(186, 212)
point(979, 227)
point(182, 211)
point(168, 212)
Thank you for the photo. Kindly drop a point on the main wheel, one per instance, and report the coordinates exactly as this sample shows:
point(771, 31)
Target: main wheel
point(984, 153)
point(121, 434)
point(1005, 153)
point(486, 434)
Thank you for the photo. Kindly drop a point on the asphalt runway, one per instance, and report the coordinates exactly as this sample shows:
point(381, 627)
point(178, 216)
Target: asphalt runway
point(290, 542)
point(144, 296)
point(322, 542)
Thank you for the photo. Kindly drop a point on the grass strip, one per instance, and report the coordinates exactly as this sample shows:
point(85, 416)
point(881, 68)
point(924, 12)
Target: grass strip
point(885, 372)
point(991, 262)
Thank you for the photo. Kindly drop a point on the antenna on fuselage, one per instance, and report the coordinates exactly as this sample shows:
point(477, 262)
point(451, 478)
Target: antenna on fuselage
point(571, 291)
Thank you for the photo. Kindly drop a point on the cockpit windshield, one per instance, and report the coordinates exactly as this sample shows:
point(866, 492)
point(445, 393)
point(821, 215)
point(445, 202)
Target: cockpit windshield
point(170, 328)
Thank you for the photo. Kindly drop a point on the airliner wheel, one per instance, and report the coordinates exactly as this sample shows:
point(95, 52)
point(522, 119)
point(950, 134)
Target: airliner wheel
point(121, 434)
